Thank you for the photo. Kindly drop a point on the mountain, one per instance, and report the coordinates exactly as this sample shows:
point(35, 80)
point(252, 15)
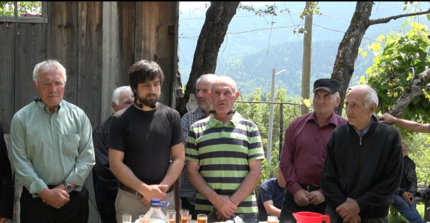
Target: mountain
point(253, 46)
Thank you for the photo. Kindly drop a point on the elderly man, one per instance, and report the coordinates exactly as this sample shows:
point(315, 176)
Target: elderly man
point(6, 183)
point(105, 183)
point(142, 140)
point(305, 149)
point(187, 193)
point(404, 200)
point(270, 197)
point(363, 165)
point(406, 124)
point(229, 151)
point(52, 151)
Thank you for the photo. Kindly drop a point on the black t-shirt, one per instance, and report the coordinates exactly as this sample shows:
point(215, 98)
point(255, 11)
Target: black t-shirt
point(145, 137)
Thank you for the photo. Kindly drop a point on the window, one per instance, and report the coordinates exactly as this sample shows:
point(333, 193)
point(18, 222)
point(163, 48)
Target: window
point(23, 11)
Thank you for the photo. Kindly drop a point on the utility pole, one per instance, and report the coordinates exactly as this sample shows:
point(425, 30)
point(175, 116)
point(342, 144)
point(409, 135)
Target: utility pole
point(272, 99)
point(307, 59)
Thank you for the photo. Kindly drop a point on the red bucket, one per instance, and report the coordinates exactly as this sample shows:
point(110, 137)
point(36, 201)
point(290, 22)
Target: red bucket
point(311, 217)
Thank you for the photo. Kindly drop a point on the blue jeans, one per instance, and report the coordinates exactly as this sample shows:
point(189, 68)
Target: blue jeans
point(409, 211)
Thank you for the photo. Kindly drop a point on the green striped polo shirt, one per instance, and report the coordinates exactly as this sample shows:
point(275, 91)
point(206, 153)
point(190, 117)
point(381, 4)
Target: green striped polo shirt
point(223, 152)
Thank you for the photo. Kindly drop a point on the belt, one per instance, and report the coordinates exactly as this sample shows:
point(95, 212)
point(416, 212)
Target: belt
point(128, 189)
point(309, 187)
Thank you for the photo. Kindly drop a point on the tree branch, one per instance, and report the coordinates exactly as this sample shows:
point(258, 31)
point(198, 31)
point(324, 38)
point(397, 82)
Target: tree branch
point(385, 20)
point(412, 90)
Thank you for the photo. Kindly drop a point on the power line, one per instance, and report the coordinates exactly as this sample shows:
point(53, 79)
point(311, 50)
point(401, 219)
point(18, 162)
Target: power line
point(342, 32)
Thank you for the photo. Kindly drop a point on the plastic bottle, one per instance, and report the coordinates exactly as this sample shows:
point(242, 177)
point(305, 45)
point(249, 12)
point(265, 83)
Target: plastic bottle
point(155, 214)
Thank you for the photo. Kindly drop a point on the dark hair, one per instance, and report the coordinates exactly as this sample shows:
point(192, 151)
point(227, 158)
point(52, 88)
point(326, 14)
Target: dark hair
point(142, 71)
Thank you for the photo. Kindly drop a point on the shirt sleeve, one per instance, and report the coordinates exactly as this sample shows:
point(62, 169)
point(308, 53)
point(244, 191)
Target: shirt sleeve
point(116, 138)
point(86, 159)
point(329, 178)
point(191, 150)
point(23, 167)
point(287, 164)
point(177, 129)
point(255, 148)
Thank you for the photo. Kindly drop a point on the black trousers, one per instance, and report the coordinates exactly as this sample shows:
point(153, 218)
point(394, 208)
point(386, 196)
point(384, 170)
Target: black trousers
point(289, 207)
point(75, 211)
point(105, 199)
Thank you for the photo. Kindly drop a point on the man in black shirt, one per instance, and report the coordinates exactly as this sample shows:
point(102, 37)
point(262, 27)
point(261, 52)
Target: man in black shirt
point(142, 139)
point(105, 183)
point(6, 184)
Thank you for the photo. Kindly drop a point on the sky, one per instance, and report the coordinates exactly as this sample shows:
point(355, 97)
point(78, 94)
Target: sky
point(193, 5)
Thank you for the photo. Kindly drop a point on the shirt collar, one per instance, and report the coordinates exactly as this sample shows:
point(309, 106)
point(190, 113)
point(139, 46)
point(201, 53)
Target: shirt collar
point(43, 106)
point(332, 120)
point(213, 122)
point(365, 130)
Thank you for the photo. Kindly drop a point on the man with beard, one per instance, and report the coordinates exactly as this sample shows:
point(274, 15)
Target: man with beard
point(142, 139)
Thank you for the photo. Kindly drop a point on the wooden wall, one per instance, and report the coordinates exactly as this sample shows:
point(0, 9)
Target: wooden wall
point(96, 42)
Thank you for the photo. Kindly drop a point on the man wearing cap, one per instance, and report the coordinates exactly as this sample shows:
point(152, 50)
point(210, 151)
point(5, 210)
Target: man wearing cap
point(304, 151)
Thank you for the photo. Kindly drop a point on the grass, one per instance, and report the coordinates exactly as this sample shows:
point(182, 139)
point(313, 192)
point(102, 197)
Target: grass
point(398, 218)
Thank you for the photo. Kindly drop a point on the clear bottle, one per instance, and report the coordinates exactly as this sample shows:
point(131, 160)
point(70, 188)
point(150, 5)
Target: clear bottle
point(155, 214)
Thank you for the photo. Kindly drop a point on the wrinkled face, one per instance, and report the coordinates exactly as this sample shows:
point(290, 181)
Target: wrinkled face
point(404, 149)
point(223, 96)
point(125, 99)
point(324, 102)
point(50, 87)
point(358, 114)
point(149, 92)
point(203, 97)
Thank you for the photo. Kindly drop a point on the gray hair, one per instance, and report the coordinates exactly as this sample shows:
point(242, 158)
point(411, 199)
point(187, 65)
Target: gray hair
point(371, 95)
point(206, 77)
point(233, 83)
point(48, 65)
point(117, 93)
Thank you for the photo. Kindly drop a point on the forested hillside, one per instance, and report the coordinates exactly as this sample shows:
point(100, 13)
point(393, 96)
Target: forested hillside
point(253, 47)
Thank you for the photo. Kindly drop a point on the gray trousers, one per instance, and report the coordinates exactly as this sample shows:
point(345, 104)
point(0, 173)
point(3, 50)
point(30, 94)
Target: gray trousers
point(335, 218)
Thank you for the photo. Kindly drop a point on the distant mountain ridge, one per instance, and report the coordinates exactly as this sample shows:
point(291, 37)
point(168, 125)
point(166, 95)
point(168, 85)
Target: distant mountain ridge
point(251, 49)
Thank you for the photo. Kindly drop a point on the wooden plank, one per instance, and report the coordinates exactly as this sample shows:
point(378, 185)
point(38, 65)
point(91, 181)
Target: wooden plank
point(126, 16)
point(7, 62)
point(90, 59)
point(62, 43)
point(30, 49)
point(154, 42)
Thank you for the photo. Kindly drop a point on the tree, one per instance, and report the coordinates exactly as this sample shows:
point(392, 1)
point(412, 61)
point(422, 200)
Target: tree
point(348, 49)
point(218, 17)
point(23, 7)
point(393, 74)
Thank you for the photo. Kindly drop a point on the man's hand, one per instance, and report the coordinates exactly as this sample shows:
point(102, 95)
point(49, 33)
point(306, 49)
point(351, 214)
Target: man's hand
point(408, 197)
point(155, 191)
point(301, 198)
point(348, 209)
point(315, 197)
point(386, 118)
point(353, 219)
point(224, 207)
point(3, 220)
point(144, 201)
point(56, 197)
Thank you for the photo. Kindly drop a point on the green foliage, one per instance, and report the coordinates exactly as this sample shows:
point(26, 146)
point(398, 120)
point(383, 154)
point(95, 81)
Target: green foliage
point(393, 69)
point(24, 7)
point(419, 146)
point(259, 114)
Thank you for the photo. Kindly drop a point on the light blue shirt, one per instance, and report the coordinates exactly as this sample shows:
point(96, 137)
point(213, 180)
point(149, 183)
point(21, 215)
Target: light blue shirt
point(50, 148)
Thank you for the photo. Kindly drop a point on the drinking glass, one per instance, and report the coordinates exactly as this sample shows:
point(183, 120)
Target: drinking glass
point(272, 219)
point(183, 211)
point(185, 217)
point(191, 221)
point(202, 218)
point(126, 218)
point(171, 216)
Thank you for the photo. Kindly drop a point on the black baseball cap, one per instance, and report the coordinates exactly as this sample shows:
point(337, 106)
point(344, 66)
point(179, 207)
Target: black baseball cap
point(330, 85)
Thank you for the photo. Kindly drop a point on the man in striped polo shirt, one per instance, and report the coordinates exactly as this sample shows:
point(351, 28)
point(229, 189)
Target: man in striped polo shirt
point(229, 151)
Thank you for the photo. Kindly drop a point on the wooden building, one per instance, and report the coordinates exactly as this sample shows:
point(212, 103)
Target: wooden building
point(96, 42)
